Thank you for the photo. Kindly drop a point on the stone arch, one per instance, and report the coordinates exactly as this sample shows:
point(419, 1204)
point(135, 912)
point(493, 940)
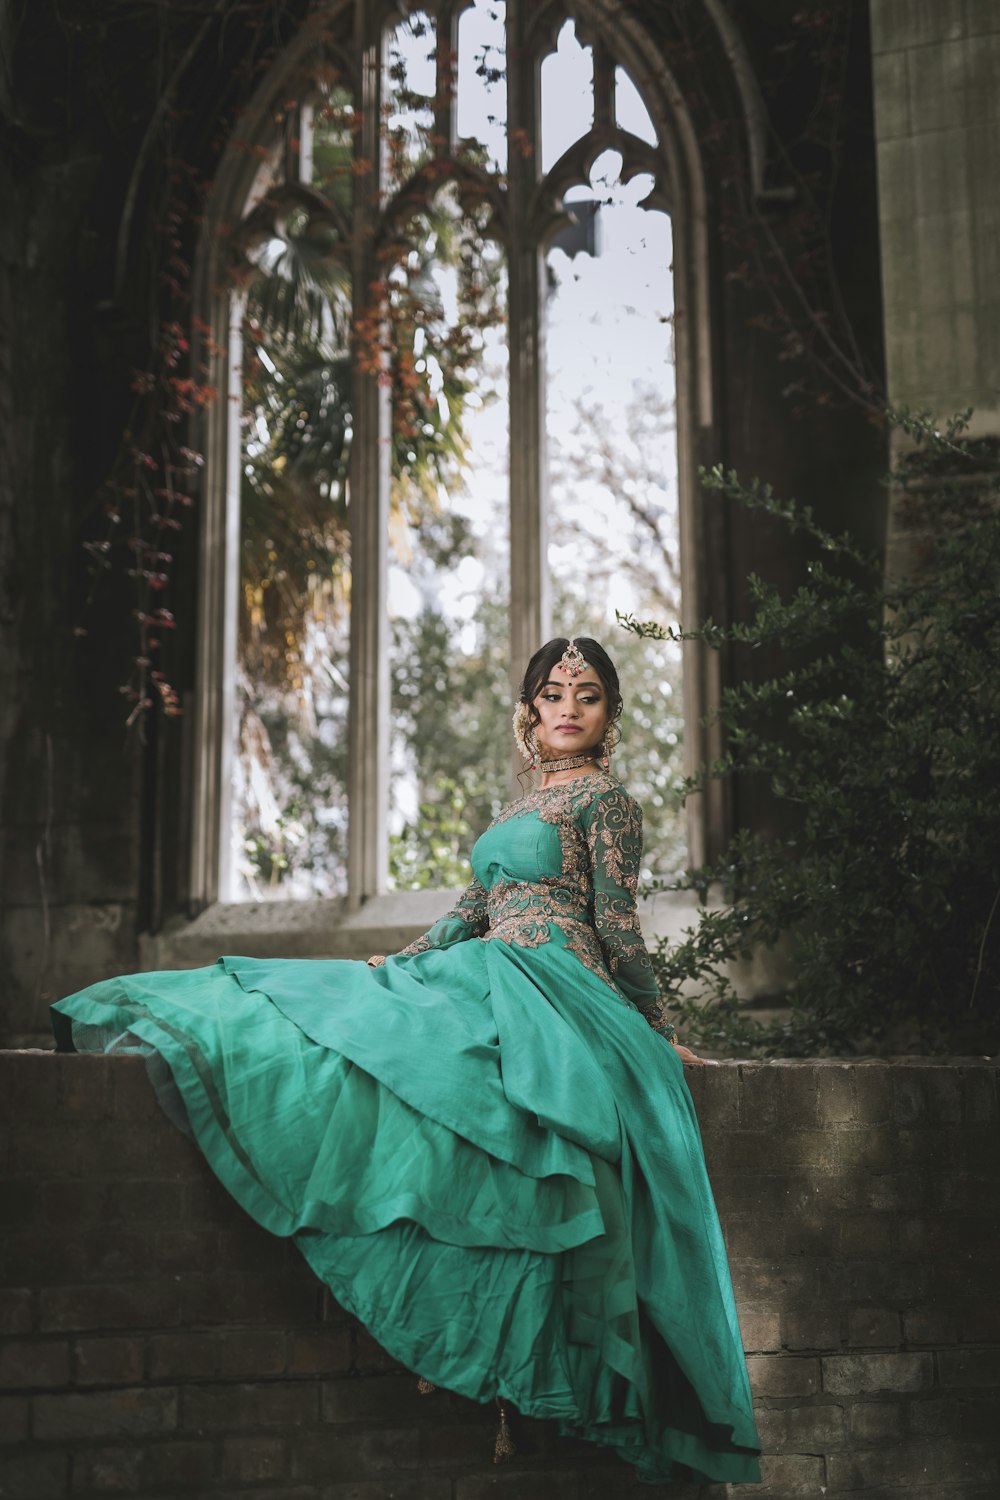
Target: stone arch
point(687, 196)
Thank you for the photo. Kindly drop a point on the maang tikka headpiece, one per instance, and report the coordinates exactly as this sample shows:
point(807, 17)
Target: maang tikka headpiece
point(573, 661)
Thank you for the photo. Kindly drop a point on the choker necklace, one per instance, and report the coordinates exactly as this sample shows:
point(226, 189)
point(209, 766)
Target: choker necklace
point(567, 763)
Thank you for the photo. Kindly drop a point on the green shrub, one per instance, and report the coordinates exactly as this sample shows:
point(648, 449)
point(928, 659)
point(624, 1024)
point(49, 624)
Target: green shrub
point(879, 743)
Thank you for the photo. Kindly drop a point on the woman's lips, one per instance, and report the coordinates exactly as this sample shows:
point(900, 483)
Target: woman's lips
point(570, 729)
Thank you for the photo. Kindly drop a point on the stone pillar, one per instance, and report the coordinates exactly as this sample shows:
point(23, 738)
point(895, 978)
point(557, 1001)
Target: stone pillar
point(937, 120)
point(936, 66)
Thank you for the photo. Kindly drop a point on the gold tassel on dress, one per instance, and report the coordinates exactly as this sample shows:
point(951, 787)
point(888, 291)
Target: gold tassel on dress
point(424, 1387)
point(504, 1448)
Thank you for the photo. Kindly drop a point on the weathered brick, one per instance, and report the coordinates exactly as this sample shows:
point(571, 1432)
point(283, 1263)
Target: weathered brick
point(750, 1236)
point(716, 1093)
point(783, 1375)
point(107, 1471)
point(761, 1330)
point(837, 1097)
point(34, 1475)
point(978, 1322)
point(336, 1455)
point(930, 1325)
point(853, 1374)
point(97, 1414)
point(139, 1304)
point(244, 1407)
point(85, 1085)
point(939, 1416)
point(912, 1465)
point(810, 1235)
point(460, 1445)
point(13, 1419)
point(928, 1148)
point(864, 1150)
point(785, 1475)
point(81, 1203)
point(428, 1488)
point(952, 1235)
point(151, 1149)
point(768, 1192)
point(33, 1364)
point(186, 1250)
point(958, 1368)
point(516, 1484)
point(877, 1422)
point(178, 1463)
point(229, 1353)
point(928, 1095)
point(151, 1203)
point(256, 1300)
point(42, 1257)
point(793, 1282)
point(111, 1252)
point(369, 1358)
point(22, 1204)
point(777, 1094)
point(864, 1235)
point(392, 1399)
point(249, 1459)
point(327, 1351)
point(33, 1087)
point(249, 1249)
point(882, 1282)
point(17, 1308)
point(902, 1189)
point(873, 1093)
point(133, 1097)
point(108, 1361)
point(185, 1356)
point(797, 1429)
point(41, 1150)
point(975, 1417)
point(207, 1203)
point(619, 1483)
point(867, 1326)
point(980, 1097)
point(812, 1328)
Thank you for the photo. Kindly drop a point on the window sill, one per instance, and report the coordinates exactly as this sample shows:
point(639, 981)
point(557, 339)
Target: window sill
point(326, 929)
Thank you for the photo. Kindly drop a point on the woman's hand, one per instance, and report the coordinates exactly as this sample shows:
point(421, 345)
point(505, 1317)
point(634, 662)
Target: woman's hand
point(687, 1056)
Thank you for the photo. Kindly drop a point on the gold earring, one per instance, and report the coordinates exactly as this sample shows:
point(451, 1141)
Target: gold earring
point(524, 736)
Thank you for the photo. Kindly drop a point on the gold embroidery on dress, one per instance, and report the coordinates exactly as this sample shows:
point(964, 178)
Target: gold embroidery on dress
point(591, 902)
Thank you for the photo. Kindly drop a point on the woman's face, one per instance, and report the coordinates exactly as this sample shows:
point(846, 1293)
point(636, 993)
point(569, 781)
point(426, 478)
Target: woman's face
point(573, 712)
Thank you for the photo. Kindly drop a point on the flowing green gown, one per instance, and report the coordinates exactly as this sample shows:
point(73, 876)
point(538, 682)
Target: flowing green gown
point(484, 1148)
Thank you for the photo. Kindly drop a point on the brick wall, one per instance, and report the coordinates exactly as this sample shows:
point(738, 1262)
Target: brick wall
point(158, 1344)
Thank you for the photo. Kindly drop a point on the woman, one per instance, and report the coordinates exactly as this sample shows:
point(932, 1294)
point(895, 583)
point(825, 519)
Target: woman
point(485, 1145)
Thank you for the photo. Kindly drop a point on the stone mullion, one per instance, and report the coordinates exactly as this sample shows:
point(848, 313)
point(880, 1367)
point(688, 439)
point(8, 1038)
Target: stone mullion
point(529, 607)
point(444, 101)
point(368, 515)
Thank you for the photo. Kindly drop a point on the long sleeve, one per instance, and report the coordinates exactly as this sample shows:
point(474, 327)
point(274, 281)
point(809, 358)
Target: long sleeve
point(468, 918)
point(613, 824)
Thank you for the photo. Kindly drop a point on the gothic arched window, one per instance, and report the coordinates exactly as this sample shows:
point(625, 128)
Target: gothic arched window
point(450, 431)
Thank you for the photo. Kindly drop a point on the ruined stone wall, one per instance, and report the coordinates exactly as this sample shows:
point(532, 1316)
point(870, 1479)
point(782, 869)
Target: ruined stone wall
point(94, 828)
point(159, 1344)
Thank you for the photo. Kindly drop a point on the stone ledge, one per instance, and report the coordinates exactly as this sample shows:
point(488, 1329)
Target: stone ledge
point(159, 1343)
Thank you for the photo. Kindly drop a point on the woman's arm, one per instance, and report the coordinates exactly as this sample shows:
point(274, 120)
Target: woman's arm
point(468, 918)
point(613, 824)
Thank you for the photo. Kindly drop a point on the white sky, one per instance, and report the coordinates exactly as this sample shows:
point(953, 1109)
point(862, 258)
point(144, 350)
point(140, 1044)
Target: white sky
point(613, 307)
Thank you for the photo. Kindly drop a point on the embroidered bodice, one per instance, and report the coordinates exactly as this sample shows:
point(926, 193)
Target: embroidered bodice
point(562, 862)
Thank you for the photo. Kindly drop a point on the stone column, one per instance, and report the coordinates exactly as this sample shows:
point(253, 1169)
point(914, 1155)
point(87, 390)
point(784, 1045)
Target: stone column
point(936, 76)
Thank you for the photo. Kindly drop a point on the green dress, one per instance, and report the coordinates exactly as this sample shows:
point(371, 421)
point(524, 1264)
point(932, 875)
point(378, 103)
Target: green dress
point(484, 1147)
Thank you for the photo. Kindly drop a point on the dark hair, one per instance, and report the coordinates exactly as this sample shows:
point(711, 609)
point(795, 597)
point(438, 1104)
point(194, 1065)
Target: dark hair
point(546, 657)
